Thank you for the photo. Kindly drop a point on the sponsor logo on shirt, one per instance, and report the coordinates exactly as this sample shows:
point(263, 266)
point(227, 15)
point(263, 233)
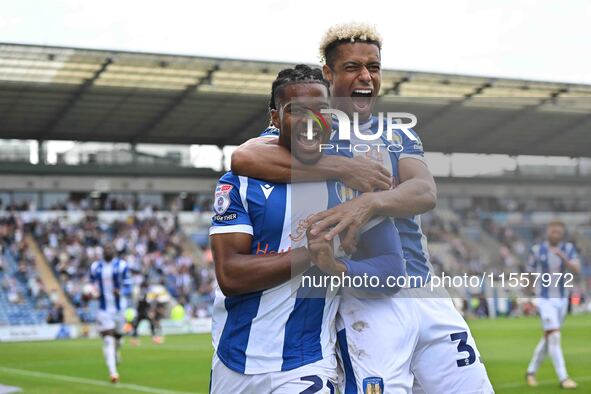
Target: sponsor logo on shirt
point(300, 231)
point(225, 218)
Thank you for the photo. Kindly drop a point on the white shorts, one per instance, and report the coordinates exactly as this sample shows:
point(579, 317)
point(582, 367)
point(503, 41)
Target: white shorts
point(552, 312)
point(311, 378)
point(445, 359)
point(110, 321)
point(376, 338)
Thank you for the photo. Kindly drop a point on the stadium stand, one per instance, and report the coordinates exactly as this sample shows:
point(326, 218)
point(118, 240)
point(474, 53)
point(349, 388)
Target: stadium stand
point(151, 245)
point(23, 299)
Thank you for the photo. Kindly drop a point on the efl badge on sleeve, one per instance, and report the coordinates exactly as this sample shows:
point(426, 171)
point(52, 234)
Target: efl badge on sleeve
point(222, 198)
point(373, 385)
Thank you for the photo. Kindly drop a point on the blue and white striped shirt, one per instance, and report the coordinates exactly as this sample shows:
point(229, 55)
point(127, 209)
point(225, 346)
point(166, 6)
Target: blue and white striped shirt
point(543, 261)
point(289, 325)
point(109, 276)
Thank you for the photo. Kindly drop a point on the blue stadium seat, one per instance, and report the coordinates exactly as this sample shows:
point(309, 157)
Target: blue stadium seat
point(24, 313)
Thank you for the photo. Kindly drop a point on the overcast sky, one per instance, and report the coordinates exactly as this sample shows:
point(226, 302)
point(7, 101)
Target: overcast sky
point(543, 40)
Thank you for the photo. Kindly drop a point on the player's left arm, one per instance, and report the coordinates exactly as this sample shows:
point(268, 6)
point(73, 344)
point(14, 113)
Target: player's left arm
point(379, 254)
point(570, 258)
point(416, 194)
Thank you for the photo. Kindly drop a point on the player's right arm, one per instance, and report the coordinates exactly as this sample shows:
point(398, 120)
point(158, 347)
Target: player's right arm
point(240, 272)
point(263, 158)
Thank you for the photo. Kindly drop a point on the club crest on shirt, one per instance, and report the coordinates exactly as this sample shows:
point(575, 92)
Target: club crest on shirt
point(222, 198)
point(345, 193)
point(373, 385)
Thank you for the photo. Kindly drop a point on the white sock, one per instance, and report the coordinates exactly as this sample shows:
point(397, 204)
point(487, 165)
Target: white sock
point(555, 351)
point(538, 357)
point(109, 353)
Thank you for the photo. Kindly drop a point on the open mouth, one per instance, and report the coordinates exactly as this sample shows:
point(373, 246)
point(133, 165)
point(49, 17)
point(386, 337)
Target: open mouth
point(306, 143)
point(362, 98)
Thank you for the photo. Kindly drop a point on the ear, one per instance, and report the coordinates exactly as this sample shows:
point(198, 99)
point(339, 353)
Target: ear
point(327, 73)
point(275, 120)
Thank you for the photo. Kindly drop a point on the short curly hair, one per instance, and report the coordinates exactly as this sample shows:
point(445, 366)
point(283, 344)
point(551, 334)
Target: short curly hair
point(301, 73)
point(347, 32)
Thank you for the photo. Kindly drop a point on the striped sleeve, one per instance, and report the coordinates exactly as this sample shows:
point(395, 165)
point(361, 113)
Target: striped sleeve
point(411, 147)
point(231, 206)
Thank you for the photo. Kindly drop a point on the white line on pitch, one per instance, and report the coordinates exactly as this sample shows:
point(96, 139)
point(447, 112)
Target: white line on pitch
point(73, 379)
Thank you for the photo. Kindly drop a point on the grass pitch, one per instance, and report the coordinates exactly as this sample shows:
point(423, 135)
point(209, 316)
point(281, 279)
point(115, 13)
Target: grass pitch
point(182, 364)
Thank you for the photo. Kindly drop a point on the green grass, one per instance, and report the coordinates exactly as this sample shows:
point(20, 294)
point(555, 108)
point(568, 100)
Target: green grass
point(182, 364)
point(506, 347)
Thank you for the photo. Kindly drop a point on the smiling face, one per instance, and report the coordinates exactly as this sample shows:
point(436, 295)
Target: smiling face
point(355, 74)
point(298, 102)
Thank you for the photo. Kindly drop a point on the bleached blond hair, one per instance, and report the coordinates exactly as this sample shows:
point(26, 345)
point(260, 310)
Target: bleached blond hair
point(352, 32)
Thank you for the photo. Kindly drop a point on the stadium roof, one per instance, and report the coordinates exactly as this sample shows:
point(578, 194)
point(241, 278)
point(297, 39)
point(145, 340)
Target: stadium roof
point(57, 93)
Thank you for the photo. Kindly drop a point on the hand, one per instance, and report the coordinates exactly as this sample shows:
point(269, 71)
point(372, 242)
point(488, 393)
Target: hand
point(365, 175)
point(347, 218)
point(559, 253)
point(322, 254)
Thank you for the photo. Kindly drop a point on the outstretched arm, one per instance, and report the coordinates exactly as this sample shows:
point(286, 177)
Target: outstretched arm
point(263, 158)
point(239, 272)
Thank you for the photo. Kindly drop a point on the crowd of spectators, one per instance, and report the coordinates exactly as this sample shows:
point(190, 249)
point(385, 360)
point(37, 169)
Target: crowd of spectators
point(450, 251)
point(155, 248)
point(20, 281)
point(103, 202)
point(152, 247)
